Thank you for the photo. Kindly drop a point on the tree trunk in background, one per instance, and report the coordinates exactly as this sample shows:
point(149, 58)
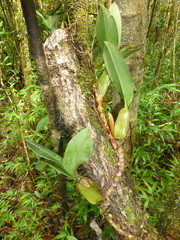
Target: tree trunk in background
point(23, 48)
point(13, 19)
point(134, 23)
point(75, 109)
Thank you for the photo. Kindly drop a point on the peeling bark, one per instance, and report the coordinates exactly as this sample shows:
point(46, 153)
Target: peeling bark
point(75, 110)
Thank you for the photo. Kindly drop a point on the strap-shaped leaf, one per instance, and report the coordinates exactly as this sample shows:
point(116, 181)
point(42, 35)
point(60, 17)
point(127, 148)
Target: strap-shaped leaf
point(50, 157)
point(77, 152)
point(118, 72)
point(115, 12)
point(106, 29)
point(128, 53)
point(58, 167)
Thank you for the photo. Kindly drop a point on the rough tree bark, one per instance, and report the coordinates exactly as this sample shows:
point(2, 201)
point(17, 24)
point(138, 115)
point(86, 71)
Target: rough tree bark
point(74, 108)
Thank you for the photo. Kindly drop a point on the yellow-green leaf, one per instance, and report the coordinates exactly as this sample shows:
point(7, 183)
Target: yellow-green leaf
point(106, 29)
point(115, 12)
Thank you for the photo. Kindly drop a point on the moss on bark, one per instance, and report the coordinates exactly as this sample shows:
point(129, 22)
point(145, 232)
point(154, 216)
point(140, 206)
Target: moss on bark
point(78, 17)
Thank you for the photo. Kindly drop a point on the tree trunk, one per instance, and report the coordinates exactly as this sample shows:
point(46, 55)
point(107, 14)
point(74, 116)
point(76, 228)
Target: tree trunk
point(75, 109)
point(134, 25)
point(43, 77)
point(72, 95)
point(24, 55)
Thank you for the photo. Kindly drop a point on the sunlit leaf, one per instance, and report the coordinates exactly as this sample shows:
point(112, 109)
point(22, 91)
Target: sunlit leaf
point(115, 12)
point(118, 72)
point(77, 152)
point(106, 29)
point(61, 235)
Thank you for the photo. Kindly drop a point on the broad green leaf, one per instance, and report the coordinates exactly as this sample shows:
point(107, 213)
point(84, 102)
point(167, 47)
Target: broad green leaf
point(89, 190)
point(115, 12)
point(61, 235)
point(51, 158)
point(118, 72)
point(106, 29)
point(77, 152)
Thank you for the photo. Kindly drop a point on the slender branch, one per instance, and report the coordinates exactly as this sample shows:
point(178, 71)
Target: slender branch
point(151, 18)
point(35, 40)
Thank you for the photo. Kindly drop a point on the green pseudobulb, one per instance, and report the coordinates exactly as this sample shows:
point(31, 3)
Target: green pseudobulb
point(89, 190)
point(122, 124)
